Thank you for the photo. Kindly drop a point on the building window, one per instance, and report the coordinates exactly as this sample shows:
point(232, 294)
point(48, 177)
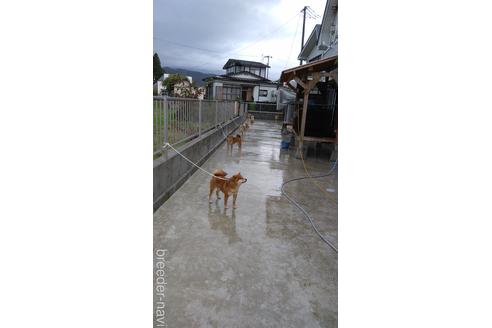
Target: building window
point(231, 93)
point(263, 93)
point(239, 69)
point(218, 92)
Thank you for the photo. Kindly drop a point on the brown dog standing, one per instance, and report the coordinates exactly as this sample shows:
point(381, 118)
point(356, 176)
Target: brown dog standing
point(226, 185)
point(231, 140)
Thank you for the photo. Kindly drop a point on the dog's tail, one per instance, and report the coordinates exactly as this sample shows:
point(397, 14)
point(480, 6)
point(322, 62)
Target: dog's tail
point(219, 173)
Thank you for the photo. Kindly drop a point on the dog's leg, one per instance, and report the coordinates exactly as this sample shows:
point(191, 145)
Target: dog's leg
point(226, 196)
point(234, 197)
point(217, 193)
point(211, 191)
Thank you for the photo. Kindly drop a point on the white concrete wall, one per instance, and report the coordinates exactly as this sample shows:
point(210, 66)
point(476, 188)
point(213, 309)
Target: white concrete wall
point(270, 97)
point(160, 87)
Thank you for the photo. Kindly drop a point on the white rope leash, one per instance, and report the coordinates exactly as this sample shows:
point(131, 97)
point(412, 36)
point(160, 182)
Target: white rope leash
point(167, 144)
point(222, 130)
point(191, 162)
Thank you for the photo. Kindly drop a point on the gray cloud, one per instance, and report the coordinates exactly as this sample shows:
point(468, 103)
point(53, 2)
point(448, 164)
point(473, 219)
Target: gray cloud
point(202, 35)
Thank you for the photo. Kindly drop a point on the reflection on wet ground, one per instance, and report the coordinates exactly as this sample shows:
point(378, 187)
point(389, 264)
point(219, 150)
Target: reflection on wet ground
point(260, 265)
point(219, 220)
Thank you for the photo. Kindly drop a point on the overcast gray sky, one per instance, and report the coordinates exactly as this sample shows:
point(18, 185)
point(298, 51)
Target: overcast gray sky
point(202, 34)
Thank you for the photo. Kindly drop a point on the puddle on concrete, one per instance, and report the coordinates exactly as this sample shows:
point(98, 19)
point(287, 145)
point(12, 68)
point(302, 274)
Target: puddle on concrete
point(223, 221)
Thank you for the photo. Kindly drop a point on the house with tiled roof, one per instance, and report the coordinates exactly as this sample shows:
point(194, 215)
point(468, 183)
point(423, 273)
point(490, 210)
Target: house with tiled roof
point(243, 80)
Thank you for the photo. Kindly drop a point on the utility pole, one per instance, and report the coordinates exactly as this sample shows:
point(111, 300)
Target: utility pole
point(303, 27)
point(268, 63)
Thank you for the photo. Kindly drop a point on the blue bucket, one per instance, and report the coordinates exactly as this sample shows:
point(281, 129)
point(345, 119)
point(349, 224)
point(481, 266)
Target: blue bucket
point(284, 145)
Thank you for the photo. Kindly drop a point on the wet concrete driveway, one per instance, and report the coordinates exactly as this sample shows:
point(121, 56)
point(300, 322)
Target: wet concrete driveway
point(260, 265)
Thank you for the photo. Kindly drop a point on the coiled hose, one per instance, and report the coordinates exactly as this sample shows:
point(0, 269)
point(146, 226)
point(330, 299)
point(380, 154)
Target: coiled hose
point(306, 214)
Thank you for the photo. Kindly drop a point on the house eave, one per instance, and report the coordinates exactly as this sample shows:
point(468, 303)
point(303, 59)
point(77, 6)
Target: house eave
point(238, 62)
point(310, 43)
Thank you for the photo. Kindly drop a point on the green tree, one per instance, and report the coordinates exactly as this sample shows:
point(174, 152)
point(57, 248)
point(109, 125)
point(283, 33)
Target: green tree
point(172, 80)
point(158, 71)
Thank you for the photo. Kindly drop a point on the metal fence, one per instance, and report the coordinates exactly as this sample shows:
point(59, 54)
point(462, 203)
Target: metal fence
point(260, 107)
point(178, 120)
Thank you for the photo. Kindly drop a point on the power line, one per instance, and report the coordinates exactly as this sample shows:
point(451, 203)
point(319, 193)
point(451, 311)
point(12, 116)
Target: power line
point(312, 13)
point(275, 30)
point(185, 45)
point(193, 47)
point(249, 45)
point(292, 44)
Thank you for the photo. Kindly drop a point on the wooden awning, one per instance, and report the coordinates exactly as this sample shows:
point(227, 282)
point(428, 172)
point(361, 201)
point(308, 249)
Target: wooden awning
point(301, 72)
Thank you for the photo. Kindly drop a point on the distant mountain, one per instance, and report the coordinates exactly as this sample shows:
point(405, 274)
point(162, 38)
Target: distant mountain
point(197, 76)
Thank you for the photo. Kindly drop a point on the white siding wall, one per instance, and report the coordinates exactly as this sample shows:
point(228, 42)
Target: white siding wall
point(271, 94)
point(328, 34)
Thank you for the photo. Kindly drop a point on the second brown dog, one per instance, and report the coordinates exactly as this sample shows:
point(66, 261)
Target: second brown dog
point(231, 140)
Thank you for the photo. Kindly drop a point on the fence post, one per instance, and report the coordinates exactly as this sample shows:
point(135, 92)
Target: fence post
point(216, 111)
point(199, 117)
point(166, 140)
